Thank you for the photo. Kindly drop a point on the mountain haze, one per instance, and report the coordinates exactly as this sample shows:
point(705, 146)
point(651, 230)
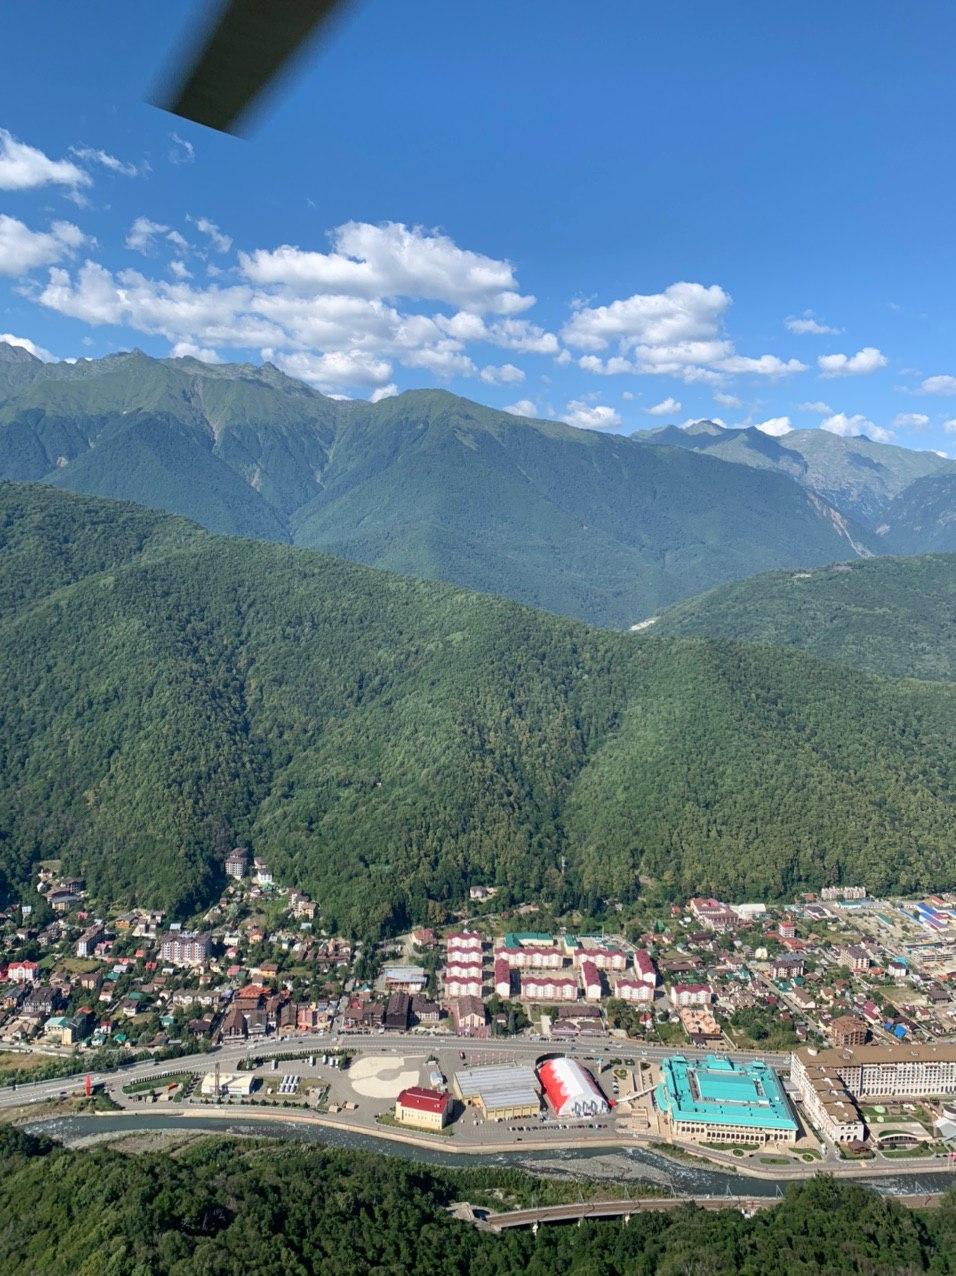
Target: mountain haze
point(384, 741)
point(580, 523)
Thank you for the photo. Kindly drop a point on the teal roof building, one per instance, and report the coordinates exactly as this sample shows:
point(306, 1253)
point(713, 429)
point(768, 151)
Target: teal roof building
point(717, 1098)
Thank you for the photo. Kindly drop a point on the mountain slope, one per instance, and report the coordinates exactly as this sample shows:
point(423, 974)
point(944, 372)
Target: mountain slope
point(923, 517)
point(858, 477)
point(890, 616)
point(576, 522)
point(385, 741)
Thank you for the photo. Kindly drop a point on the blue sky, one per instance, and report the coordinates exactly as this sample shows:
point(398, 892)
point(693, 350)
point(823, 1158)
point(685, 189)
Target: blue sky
point(588, 213)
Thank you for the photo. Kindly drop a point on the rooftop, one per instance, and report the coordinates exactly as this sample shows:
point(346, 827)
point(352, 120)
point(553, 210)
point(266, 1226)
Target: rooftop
point(721, 1092)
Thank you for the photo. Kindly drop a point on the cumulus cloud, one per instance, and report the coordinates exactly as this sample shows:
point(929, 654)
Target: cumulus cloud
point(677, 332)
point(767, 365)
point(180, 269)
point(950, 425)
point(503, 374)
point(92, 155)
point(726, 400)
point(186, 350)
point(222, 243)
point(143, 234)
point(666, 407)
point(23, 249)
point(939, 385)
point(384, 392)
point(911, 421)
point(392, 260)
point(24, 167)
point(807, 325)
point(853, 426)
point(337, 368)
point(38, 352)
point(524, 407)
point(775, 426)
point(598, 417)
point(816, 405)
point(867, 360)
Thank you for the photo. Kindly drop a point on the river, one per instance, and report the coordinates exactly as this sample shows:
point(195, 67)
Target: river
point(625, 1164)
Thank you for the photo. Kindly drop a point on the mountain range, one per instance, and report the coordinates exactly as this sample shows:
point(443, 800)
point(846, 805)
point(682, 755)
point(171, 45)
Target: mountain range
point(598, 527)
point(385, 742)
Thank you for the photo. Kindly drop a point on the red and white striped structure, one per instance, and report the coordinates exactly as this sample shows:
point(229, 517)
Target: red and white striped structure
point(570, 1089)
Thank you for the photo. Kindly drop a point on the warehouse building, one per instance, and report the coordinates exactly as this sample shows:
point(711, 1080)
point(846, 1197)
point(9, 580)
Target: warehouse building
point(571, 1090)
point(715, 1100)
point(500, 1092)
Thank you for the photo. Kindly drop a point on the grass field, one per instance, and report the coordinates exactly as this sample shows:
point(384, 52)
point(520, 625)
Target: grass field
point(12, 1061)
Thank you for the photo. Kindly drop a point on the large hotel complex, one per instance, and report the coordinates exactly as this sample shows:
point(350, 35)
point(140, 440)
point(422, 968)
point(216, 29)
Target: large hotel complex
point(831, 1082)
point(715, 1100)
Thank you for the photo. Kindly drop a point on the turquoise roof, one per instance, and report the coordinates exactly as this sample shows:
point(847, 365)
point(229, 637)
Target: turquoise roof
point(718, 1091)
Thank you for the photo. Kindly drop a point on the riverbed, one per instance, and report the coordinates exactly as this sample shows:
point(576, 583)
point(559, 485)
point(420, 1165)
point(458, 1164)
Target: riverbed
point(640, 1166)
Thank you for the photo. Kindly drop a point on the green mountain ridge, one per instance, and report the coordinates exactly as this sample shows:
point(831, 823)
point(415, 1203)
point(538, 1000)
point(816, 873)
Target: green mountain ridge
point(385, 741)
point(580, 523)
point(860, 478)
point(889, 616)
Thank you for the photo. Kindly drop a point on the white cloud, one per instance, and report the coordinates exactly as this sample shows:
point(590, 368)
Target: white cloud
point(817, 405)
point(939, 385)
point(180, 269)
point(392, 260)
point(767, 365)
point(867, 360)
point(504, 374)
point(335, 369)
point(677, 332)
point(853, 426)
point(186, 350)
point(666, 407)
point(384, 392)
point(775, 426)
point(911, 421)
point(181, 151)
point(726, 400)
point(142, 235)
point(25, 343)
point(598, 417)
point(807, 325)
point(222, 243)
point(950, 425)
point(24, 167)
point(23, 249)
point(524, 407)
point(92, 155)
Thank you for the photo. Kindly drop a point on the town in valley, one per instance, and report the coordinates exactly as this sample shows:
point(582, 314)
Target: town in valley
point(821, 1030)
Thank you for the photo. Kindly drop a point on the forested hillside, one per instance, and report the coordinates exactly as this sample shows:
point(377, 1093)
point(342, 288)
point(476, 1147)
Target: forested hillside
point(384, 741)
point(238, 1209)
point(891, 616)
point(580, 523)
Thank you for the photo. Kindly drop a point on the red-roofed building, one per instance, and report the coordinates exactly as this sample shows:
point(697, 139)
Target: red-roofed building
point(428, 1109)
point(23, 972)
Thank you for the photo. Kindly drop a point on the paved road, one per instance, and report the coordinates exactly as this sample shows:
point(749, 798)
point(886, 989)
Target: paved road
point(617, 1209)
point(591, 1049)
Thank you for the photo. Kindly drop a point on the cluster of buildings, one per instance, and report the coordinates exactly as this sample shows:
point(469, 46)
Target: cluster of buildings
point(835, 1082)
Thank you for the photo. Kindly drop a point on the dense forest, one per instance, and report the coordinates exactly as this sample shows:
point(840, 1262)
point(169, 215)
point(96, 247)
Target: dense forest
point(230, 1209)
point(385, 742)
point(891, 616)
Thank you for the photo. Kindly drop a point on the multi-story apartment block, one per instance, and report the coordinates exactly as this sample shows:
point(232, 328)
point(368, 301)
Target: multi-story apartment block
point(182, 948)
